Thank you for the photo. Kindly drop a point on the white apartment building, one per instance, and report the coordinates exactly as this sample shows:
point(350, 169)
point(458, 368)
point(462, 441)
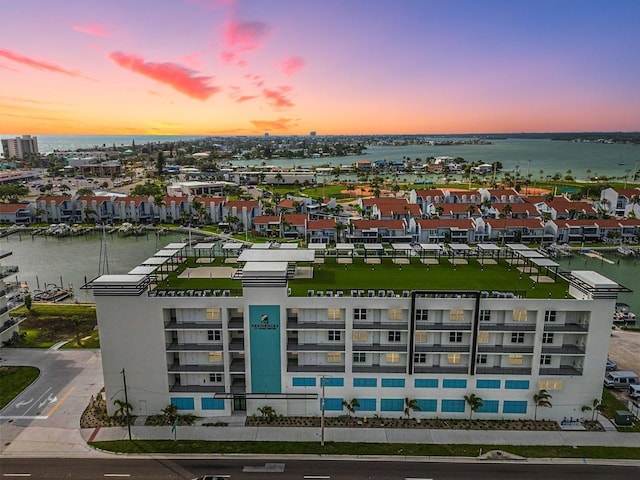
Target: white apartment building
point(214, 351)
point(20, 147)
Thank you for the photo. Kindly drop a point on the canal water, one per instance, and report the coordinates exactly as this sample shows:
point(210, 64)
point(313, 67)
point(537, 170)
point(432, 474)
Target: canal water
point(45, 262)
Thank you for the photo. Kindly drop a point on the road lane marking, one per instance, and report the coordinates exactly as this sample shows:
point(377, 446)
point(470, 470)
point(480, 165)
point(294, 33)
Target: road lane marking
point(23, 417)
point(38, 400)
point(66, 395)
point(117, 475)
point(316, 477)
point(16, 474)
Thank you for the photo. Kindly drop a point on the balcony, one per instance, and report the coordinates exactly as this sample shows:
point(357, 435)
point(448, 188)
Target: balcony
point(380, 347)
point(444, 326)
point(211, 367)
point(177, 388)
point(212, 325)
point(296, 325)
point(294, 367)
point(388, 325)
point(293, 346)
point(441, 369)
point(194, 347)
point(237, 366)
point(567, 370)
point(503, 370)
point(567, 349)
point(507, 327)
point(236, 323)
point(451, 348)
point(379, 369)
point(567, 327)
point(236, 345)
point(528, 349)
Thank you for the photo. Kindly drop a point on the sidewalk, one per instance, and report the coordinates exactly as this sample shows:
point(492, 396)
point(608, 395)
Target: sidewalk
point(238, 432)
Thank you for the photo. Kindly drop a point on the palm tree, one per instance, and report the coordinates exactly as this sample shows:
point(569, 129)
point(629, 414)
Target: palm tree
point(123, 410)
point(77, 321)
point(267, 413)
point(474, 401)
point(541, 399)
point(351, 406)
point(410, 404)
point(171, 413)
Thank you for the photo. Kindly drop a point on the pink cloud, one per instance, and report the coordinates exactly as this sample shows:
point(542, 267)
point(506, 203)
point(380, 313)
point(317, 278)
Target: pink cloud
point(279, 124)
point(290, 65)
point(232, 58)
point(238, 96)
point(37, 64)
point(256, 80)
point(176, 76)
point(94, 29)
point(277, 97)
point(243, 36)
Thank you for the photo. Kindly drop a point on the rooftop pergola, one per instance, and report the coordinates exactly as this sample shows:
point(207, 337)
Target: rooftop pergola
point(204, 247)
point(429, 253)
point(143, 270)
point(373, 252)
point(459, 253)
point(158, 262)
point(401, 253)
point(231, 249)
point(489, 253)
point(550, 266)
point(276, 255)
point(347, 249)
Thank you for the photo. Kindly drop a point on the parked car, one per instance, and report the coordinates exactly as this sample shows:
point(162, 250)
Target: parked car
point(634, 391)
point(611, 365)
point(621, 379)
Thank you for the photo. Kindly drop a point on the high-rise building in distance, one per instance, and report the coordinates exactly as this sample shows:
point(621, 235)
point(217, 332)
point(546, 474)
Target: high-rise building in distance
point(20, 147)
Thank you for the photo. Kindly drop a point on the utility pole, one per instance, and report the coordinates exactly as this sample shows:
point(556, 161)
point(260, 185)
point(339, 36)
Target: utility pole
point(322, 414)
point(126, 401)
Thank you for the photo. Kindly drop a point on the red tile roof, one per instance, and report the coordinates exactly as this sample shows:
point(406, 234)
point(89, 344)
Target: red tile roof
point(435, 223)
point(321, 225)
point(368, 224)
point(296, 219)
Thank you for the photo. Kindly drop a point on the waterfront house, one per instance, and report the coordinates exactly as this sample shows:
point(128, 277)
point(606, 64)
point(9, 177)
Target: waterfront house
point(94, 209)
point(268, 225)
point(444, 230)
point(294, 225)
point(517, 230)
point(133, 209)
point(321, 231)
point(54, 209)
point(16, 213)
point(245, 211)
point(378, 231)
point(495, 195)
point(426, 197)
point(621, 201)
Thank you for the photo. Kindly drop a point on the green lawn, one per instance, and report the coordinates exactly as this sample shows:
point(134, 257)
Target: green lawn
point(341, 448)
point(14, 380)
point(415, 276)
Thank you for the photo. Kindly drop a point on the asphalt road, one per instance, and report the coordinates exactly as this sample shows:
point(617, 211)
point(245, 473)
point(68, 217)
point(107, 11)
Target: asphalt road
point(288, 469)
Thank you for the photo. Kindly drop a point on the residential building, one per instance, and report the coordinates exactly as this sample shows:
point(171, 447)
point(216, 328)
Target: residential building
point(20, 147)
point(212, 349)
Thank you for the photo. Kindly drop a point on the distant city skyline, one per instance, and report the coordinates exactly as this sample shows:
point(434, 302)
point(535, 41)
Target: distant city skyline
point(285, 67)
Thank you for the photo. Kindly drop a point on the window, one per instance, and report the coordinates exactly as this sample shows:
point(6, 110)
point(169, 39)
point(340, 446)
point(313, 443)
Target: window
point(545, 359)
point(359, 336)
point(547, 337)
point(427, 405)
point(454, 383)
point(392, 404)
point(395, 314)
point(453, 406)
point(489, 406)
point(551, 384)
point(359, 357)
point(483, 337)
point(420, 337)
point(393, 357)
point(456, 315)
point(516, 384)
point(214, 335)
point(514, 406)
point(333, 314)
point(365, 382)
point(519, 315)
point(481, 359)
point(422, 315)
point(393, 382)
point(304, 381)
point(453, 358)
point(334, 357)
point(394, 336)
point(515, 359)
point(426, 383)
point(215, 377)
point(455, 337)
point(485, 315)
point(332, 382)
point(420, 358)
point(215, 356)
point(487, 383)
point(183, 403)
point(517, 337)
point(213, 314)
point(359, 313)
point(335, 335)
point(550, 316)
point(212, 403)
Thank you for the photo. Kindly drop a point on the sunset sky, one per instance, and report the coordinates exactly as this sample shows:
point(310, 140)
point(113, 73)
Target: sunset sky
point(225, 67)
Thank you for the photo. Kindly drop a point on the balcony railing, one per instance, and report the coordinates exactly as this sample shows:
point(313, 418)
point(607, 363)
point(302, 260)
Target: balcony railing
point(505, 349)
point(379, 347)
point(566, 327)
point(194, 347)
point(463, 369)
point(444, 326)
point(567, 349)
point(462, 348)
point(294, 367)
point(177, 388)
point(315, 347)
point(381, 325)
point(210, 367)
point(296, 325)
point(504, 370)
point(568, 370)
point(507, 327)
point(379, 369)
point(208, 325)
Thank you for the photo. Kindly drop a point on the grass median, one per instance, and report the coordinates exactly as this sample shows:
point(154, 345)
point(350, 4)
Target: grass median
point(360, 449)
point(14, 380)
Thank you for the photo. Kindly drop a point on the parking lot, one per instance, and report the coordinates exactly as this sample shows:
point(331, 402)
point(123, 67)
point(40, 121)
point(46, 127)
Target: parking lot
point(624, 348)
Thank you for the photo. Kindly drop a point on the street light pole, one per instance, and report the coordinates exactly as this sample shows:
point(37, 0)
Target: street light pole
point(126, 401)
point(322, 414)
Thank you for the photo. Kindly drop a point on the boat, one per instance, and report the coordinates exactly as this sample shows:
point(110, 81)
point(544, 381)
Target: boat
point(622, 314)
point(557, 250)
point(125, 229)
point(626, 251)
point(55, 295)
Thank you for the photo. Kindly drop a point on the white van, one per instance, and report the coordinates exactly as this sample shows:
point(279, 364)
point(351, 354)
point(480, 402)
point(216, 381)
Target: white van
point(634, 391)
point(620, 379)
